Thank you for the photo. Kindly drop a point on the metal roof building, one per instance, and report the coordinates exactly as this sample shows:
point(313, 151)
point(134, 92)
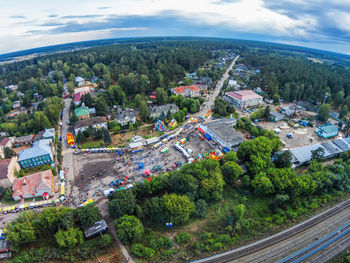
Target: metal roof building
point(98, 227)
point(327, 131)
point(301, 155)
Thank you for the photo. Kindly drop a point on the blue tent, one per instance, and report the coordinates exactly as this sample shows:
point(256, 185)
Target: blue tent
point(226, 150)
point(207, 136)
point(141, 165)
point(120, 152)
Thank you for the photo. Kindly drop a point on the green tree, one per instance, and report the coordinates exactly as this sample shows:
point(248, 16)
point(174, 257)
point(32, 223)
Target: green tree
point(177, 208)
point(87, 215)
point(69, 238)
point(161, 96)
point(106, 136)
point(182, 238)
point(318, 154)
point(144, 113)
point(338, 99)
point(201, 208)
point(262, 185)
point(122, 203)
point(323, 112)
point(276, 99)
point(8, 152)
point(231, 156)
point(344, 111)
point(231, 171)
point(284, 160)
point(129, 229)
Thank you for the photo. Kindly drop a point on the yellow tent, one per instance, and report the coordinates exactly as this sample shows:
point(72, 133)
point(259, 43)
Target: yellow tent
point(63, 191)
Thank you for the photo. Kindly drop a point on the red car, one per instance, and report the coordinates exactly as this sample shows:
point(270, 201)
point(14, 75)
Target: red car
point(202, 138)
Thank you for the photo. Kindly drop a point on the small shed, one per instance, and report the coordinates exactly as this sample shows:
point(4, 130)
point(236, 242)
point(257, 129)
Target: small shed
point(276, 116)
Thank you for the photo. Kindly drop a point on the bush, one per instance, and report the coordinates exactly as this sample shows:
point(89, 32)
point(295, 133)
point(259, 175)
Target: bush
point(162, 242)
point(183, 238)
point(140, 251)
point(201, 208)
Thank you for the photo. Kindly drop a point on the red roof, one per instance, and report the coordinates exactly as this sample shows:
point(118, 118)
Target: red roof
point(4, 141)
point(243, 94)
point(77, 96)
point(3, 168)
point(152, 97)
point(182, 89)
point(31, 184)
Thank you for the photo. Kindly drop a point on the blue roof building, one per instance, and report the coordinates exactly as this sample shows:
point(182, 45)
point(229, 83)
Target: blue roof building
point(39, 154)
point(327, 131)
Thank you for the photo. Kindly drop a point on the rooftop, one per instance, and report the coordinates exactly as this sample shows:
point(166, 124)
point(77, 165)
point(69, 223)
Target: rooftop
point(40, 148)
point(32, 183)
point(4, 141)
point(24, 138)
point(92, 121)
point(163, 108)
point(329, 129)
point(4, 167)
point(243, 94)
point(182, 89)
point(98, 227)
point(81, 111)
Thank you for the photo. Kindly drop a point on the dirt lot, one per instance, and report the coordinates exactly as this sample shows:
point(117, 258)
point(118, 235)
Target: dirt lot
point(302, 136)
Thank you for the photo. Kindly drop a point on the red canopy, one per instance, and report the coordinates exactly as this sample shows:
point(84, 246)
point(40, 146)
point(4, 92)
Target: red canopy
point(147, 172)
point(200, 130)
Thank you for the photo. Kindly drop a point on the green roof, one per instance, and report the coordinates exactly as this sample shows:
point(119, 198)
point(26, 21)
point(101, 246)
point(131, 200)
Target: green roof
point(81, 111)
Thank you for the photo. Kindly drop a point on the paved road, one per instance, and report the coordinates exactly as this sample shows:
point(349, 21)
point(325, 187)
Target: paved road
point(287, 246)
point(67, 153)
point(209, 104)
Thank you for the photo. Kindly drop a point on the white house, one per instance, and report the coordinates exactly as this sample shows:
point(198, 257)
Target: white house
point(243, 98)
point(95, 122)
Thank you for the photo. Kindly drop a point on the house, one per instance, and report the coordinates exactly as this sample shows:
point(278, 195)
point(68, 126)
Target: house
point(92, 111)
point(5, 252)
point(98, 227)
point(16, 104)
point(276, 116)
point(232, 83)
point(157, 111)
point(95, 122)
point(327, 131)
point(44, 134)
point(206, 80)
point(7, 171)
point(187, 91)
point(79, 81)
point(77, 98)
point(24, 140)
point(243, 98)
point(202, 86)
point(126, 116)
point(38, 155)
point(4, 142)
point(82, 112)
point(34, 185)
point(289, 111)
point(83, 89)
point(12, 87)
point(222, 132)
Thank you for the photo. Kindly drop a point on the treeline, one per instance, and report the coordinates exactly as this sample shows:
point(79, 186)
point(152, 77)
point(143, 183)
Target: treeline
point(61, 230)
point(296, 77)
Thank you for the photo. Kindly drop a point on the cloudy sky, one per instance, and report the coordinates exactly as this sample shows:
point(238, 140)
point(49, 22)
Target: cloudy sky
point(322, 24)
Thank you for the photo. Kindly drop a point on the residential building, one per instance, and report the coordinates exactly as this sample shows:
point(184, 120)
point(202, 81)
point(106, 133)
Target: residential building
point(222, 132)
point(95, 122)
point(232, 83)
point(157, 111)
point(38, 155)
point(79, 81)
point(24, 140)
point(77, 98)
point(12, 87)
point(34, 185)
point(92, 111)
point(126, 116)
point(82, 112)
point(202, 86)
point(4, 142)
point(327, 131)
point(98, 227)
point(289, 111)
point(44, 134)
point(83, 89)
point(276, 116)
point(243, 98)
point(7, 171)
point(16, 104)
point(187, 91)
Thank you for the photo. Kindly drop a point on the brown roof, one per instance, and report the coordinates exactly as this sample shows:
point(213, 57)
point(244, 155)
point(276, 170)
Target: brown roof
point(38, 136)
point(4, 141)
point(32, 183)
point(92, 121)
point(4, 164)
point(27, 138)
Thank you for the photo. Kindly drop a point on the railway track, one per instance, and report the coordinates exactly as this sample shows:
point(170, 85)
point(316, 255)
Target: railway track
point(267, 242)
point(318, 246)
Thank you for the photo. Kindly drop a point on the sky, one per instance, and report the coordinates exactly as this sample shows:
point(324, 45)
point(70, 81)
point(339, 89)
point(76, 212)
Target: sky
point(320, 24)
